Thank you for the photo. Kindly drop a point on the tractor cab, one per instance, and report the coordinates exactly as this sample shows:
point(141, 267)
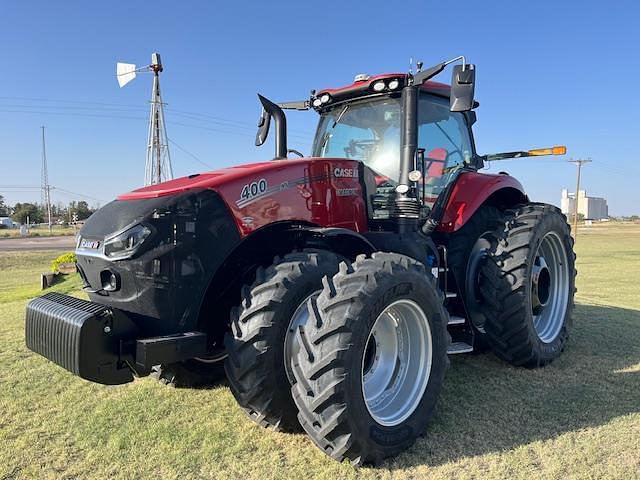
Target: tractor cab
point(368, 128)
point(412, 136)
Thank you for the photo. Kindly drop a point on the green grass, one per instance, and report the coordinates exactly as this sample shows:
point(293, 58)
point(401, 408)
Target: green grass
point(578, 418)
point(20, 276)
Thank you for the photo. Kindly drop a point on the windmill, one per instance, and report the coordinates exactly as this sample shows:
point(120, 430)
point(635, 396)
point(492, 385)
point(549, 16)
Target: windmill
point(157, 167)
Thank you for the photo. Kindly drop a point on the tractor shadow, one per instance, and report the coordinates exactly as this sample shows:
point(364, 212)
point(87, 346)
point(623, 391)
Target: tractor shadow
point(488, 406)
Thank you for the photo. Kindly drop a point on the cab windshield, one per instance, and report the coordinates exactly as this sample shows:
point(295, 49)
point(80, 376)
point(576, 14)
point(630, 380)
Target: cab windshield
point(366, 130)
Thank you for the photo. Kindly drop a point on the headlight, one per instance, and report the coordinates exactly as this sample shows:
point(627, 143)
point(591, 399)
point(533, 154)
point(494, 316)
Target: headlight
point(325, 98)
point(124, 245)
point(393, 84)
point(379, 86)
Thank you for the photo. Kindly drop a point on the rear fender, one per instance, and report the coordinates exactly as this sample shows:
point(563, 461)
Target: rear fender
point(472, 190)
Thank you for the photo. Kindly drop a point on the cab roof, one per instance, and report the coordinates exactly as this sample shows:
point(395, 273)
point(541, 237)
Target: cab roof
point(360, 86)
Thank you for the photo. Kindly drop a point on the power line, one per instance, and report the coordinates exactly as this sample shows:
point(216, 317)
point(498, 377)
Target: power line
point(72, 114)
point(69, 192)
point(192, 155)
point(83, 102)
point(242, 131)
point(32, 188)
point(118, 107)
point(110, 105)
point(74, 107)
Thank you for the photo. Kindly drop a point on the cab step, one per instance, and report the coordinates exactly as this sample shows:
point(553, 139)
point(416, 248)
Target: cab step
point(459, 347)
point(456, 320)
point(451, 294)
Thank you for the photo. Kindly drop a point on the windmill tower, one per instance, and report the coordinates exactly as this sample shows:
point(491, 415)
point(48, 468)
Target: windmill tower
point(157, 167)
point(45, 188)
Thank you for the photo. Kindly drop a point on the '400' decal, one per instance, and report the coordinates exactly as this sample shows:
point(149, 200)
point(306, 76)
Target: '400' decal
point(253, 189)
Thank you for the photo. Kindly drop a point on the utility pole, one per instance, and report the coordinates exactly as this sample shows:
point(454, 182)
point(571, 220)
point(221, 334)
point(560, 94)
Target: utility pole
point(579, 163)
point(45, 187)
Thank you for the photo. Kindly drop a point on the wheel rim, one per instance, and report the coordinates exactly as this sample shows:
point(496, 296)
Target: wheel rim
point(549, 287)
point(396, 362)
point(291, 346)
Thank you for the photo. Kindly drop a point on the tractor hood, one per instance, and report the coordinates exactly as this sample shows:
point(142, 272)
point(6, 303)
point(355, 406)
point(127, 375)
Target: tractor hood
point(320, 191)
point(210, 180)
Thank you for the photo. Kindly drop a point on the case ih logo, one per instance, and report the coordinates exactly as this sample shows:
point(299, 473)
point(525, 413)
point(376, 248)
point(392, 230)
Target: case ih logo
point(345, 172)
point(90, 244)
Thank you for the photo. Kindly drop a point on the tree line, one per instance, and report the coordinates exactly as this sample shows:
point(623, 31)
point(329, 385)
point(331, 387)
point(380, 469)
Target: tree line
point(37, 213)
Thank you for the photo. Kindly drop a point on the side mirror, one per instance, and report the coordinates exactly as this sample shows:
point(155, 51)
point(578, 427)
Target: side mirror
point(263, 128)
point(462, 88)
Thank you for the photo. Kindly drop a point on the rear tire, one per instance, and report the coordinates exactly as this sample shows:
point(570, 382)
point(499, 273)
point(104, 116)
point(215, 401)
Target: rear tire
point(257, 348)
point(467, 250)
point(528, 284)
point(346, 415)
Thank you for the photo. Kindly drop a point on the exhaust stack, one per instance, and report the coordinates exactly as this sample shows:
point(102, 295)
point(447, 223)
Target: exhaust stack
point(270, 109)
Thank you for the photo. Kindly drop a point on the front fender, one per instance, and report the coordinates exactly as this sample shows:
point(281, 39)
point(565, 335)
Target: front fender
point(339, 240)
point(472, 190)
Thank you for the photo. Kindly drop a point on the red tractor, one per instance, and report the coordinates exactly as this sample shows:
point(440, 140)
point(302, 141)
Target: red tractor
point(329, 289)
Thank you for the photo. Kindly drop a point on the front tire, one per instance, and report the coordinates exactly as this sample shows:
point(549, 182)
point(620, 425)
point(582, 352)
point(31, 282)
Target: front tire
point(258, 345)
point(528, 285)
point(372, 359)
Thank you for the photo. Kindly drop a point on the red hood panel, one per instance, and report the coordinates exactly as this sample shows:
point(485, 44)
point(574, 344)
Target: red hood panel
point(312, 191)
point(212, 179)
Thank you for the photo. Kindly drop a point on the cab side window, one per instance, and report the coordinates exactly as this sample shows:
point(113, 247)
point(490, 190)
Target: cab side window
point(443, 134)
point(445, 139)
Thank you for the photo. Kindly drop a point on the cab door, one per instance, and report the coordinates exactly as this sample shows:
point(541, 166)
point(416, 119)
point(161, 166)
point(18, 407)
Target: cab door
point(446, 140)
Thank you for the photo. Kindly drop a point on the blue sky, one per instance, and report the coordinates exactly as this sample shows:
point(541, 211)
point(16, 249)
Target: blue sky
point(548, 72)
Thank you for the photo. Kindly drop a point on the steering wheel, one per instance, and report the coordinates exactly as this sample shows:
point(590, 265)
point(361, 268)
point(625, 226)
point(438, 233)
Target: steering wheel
point(365, 145)
point(293, 150)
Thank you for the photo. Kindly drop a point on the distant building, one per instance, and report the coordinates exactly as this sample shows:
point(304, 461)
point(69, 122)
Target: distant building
point(591, 208)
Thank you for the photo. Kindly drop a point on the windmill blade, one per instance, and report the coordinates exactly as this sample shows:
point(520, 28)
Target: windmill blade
point(125, 73)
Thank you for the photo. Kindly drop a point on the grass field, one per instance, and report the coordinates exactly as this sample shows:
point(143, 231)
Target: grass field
point(578, 418)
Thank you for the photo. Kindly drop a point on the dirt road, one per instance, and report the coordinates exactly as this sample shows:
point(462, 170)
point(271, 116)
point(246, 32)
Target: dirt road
point(37, 243)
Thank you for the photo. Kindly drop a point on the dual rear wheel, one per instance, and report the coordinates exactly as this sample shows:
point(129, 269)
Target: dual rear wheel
point(353, 353)
point(527, 285)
